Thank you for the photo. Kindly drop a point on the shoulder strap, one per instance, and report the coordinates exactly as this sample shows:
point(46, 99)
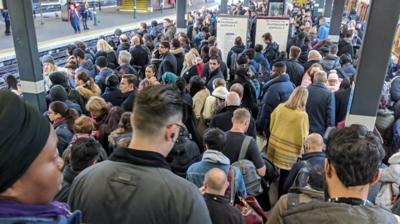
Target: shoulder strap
point(232, 185)
point(293, 200)
point(245, 147)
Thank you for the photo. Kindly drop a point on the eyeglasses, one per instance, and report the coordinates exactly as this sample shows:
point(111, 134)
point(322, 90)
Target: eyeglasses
point(180, 126)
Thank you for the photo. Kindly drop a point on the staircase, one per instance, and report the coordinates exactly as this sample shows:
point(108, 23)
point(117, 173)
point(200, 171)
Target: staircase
point(141, 5)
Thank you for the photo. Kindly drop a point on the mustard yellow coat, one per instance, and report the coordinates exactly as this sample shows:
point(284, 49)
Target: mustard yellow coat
point(288, 129)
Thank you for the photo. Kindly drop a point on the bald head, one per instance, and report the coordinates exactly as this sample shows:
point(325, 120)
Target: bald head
point(216, 181)
point(314, 143)
point(123, 38)
point(232, 99)
point(135, 40)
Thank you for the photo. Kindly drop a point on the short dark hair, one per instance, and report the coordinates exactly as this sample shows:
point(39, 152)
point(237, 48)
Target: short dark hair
point(258, 48)
point(78, 53)
point(251, 53)
point(238, 41)
point(280, 65)
point(356, 154)
point(165, 44)
point(215, 57)
point(295, 52)
point(70, 48)
point(81, 45)
point(154, 106)
point(242, 59)
point(132, 79)
point(267, 36)
point(214, 138)
point(101, 61)
point(112, 80)
point(83, 153)
point(175, 43)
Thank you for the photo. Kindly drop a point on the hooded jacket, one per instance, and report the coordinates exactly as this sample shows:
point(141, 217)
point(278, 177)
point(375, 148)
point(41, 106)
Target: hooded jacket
point(235, 49)
point(180, 57)
point(214, 159)
point(215, 101)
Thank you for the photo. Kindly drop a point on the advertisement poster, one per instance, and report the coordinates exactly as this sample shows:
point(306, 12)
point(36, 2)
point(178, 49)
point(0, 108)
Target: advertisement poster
point(278, 27)
point(230, 27)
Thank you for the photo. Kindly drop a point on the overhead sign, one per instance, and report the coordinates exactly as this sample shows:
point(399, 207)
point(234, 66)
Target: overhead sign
point(228, 28)
point(278, 27)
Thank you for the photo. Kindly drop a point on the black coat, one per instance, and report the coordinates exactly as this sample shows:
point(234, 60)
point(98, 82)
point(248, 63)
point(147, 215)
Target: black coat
point(341, 102)
point(180, 57)
point(216, 74)
point(111, 58)
point(140, 56)
point(69, 176)
point(249, 99)
point(345, 47)
point(123, 47)
point(223, 121)
point(295, 71)
point(168, 64)
point(188, 74)
point(129, 100)
point(221, 212)
point(320, 108)
point(223, 67)
point(113, 95)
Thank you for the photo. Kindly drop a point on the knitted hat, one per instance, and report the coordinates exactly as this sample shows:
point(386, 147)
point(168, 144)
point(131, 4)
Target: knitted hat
point(58, 78)
point(48, 59)
point(58, 93)
point(220, 92)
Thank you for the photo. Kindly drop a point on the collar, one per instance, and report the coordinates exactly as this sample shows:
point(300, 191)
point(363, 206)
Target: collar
point(139, 157)
point(313, 154)
point(217, 198)
point(58, 122)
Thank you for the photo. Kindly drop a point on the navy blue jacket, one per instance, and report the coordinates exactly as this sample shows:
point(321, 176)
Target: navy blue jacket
point(113, 95)
point(276, 91)
point(320, 108)
point(100, 78)
point(315, 159)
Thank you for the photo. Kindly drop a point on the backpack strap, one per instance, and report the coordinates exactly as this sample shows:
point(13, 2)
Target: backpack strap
point(293, 200)
point(232, 185)
point(245, 147)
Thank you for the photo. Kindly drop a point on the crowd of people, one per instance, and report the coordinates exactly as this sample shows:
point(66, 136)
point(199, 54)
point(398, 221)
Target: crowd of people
point(154, 126)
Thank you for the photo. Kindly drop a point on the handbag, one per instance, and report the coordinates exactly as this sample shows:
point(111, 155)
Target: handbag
point(249, 207)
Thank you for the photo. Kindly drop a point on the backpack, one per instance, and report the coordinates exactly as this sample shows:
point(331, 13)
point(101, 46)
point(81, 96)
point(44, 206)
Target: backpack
point(251, 178)
point(184, 153)
point(232, 67)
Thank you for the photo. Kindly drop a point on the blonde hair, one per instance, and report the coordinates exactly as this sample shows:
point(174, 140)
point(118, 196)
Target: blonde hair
point(190, 59)
point(298, 99)
point(102, 45)
point(83, 124)
point(96, 105)
point(314, 68)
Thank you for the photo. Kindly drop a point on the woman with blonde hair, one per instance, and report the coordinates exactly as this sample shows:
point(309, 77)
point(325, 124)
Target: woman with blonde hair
point(105, 49)
point(289, 127)
point(86, 86)
point(309, 74)
point(192, 65)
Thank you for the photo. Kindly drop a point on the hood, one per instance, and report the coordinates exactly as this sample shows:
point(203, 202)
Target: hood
point(238, 49)
point(220, 92)
point(281, 78)
point(88, 65)
point(214, 156)
point(395, 158)
point(178, 51)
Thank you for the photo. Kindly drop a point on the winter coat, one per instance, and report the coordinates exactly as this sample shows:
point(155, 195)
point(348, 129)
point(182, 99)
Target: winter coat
point(64, 135)
point(330, 62)
point(134, 180)
point(69, 175)
point(86, 93)
point(323, 31)
point(180, 57)
point(341, 102)
point(112, 61)
point(249, 99)
point(348, 70)
point(213, 75)
point(140, 56)
point(168, 64)
point(188, 73)
point(276, 91)
point(88, 68)
point(271, 52)
point(320, 108)
point(129, 100)
point(235, 49)
point(113, 95)
point(199, 100)
point(390, 178)
point(222, 66)
point(123, 47)
point(215, 159)
point(295, 71)
point(345, 47)
point(214, 102)
point(100, 78)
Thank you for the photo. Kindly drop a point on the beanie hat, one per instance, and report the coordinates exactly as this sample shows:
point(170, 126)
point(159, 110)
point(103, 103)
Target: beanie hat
point(48, 59)
point(58, 78)
point(58, 93)
point(20, 141)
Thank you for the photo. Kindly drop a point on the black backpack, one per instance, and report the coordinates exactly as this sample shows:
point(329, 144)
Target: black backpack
point(184, 153)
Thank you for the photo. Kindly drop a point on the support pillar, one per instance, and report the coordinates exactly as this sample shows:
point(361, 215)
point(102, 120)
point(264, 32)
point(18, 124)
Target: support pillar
point(180, 14)
point(25, 44)
point(224, 7)
point(336, 20)
point(328, 10)
point(375, 54)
